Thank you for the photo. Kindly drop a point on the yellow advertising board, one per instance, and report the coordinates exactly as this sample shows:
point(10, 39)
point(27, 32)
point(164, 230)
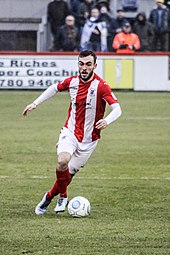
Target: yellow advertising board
point(119, 73)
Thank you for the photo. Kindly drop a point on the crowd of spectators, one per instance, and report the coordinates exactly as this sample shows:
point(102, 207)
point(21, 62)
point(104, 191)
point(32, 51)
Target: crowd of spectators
point(89, 24)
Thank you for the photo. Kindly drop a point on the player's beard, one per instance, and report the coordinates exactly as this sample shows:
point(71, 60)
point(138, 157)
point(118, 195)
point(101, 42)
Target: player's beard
point(88, 77)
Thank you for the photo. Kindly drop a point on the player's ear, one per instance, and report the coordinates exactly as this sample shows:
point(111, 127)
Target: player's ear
point(95, 65)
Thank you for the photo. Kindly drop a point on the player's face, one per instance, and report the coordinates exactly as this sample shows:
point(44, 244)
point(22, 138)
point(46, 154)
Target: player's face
point(86, 68)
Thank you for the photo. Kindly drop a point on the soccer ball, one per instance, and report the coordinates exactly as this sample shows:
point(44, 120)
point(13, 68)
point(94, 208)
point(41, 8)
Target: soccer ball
point(79, 207)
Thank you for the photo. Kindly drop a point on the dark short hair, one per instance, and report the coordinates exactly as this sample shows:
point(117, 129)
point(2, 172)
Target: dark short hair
point(86, 53)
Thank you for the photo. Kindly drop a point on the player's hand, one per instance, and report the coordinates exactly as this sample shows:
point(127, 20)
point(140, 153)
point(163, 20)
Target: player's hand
point(101, 124)
point(28, 108)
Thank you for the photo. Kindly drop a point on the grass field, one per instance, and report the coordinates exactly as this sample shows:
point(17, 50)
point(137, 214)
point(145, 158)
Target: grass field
point(127, 180)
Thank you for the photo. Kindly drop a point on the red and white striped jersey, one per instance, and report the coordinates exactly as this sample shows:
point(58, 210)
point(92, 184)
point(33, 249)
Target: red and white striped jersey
point(88, 102)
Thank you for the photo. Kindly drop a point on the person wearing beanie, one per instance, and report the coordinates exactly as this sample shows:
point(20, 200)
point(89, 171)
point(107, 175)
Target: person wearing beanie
point(120, 20)
point(144, 30)
point(57, 11)
point(160, 18)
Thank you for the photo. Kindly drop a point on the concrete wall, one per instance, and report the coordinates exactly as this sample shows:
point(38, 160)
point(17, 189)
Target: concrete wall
point(23, 8)
point(21, 16)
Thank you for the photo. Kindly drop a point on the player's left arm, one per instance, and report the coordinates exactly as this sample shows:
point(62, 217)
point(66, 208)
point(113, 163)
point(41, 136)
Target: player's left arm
point(115, 113)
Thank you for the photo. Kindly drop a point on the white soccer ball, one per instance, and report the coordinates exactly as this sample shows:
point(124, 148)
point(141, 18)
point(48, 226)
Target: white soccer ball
point(79, 207)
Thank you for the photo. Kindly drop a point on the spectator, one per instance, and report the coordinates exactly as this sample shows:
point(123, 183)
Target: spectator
point(167, 3)
point(144, 30)
point(69, 35)
point(57, 10)
point(126, 41)
point(74, 9)
point(119, 21)
point(94, 34)
point(160, 18)
point(106, 16)
point(84, 12)
point(100, 3)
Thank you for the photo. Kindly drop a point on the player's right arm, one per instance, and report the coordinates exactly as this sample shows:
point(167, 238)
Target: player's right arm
point(28, 108)
point(48, 93)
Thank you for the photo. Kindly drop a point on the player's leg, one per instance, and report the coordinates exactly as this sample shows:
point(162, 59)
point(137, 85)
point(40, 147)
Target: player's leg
point(66, 146)
point(63, 177)
point(80, 157)
point(77, 161)
point(59, 187)
point(65, 149)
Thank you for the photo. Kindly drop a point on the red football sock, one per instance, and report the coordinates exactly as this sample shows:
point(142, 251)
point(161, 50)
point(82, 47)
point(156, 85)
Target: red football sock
point(63, 178)
point(52, 192)
point(60, 186)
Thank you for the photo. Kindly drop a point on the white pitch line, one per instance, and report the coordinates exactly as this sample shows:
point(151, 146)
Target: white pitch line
point(39, 177)
point(148, 118)
point(93, 178)
point(4, 177)
point(125, 178)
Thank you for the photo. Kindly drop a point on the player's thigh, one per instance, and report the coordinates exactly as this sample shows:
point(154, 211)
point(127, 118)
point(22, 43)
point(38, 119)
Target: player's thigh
point(81, 156)
point(67, 143)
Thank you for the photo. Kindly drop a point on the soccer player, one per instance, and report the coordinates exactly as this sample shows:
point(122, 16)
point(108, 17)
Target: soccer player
point(81, 132)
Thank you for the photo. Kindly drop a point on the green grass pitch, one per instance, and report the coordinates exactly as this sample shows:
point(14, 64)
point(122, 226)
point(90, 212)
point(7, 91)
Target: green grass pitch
point(127, 180)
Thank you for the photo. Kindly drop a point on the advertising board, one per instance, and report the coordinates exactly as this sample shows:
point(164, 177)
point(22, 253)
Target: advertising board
point(39, 71)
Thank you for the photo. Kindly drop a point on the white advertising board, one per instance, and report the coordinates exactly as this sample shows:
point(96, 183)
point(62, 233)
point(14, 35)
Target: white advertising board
point(37, 72)
point(152, 73)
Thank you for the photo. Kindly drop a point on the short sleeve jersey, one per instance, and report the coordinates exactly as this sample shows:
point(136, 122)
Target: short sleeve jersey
point(88, 102)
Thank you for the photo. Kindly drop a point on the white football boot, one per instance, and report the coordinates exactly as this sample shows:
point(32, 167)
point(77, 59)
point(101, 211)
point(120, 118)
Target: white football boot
point(61, 204)
point(42, 207)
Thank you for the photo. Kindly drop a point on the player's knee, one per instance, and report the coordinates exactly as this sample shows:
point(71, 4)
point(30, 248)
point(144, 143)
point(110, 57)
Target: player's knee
point(63, 160)
point(62, 165)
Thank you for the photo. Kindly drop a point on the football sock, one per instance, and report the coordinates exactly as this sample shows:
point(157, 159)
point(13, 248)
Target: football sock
point(63, 178)
point(52, 192)
point(60, 186)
